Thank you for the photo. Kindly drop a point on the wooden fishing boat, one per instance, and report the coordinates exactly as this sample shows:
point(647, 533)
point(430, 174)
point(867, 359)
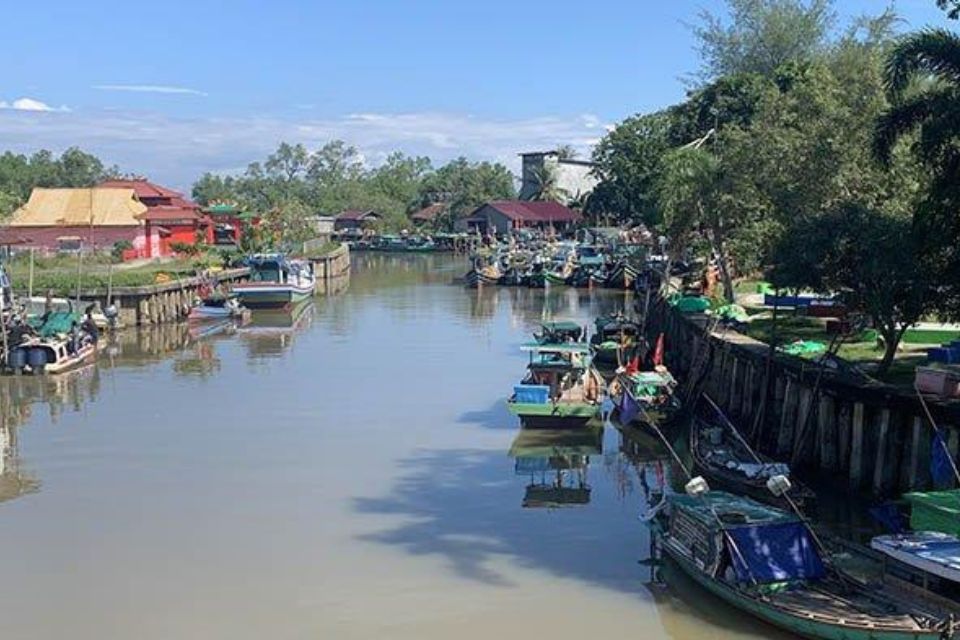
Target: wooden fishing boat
point(560, 389)
point(217, 307)
point(616, 340)
point(728, 463)
point(765, 562)
point(276, 282)
point(932, 552)
point(644, 396)
point(559, 332)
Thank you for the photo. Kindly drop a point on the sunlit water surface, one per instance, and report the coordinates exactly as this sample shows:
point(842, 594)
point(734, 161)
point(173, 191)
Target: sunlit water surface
point(350, 472)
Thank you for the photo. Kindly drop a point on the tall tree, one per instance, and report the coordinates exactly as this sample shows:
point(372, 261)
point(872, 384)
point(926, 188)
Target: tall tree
point(760, 36)
point(952, 7)
point(546, 185)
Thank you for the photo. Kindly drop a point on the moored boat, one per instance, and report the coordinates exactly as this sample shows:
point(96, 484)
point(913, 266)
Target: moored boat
point(615, 342)
point(726, 461)
point(276, 282)
point(765, 562)
point(560, 389)
point(217, 307)
point(643, 397)
point(931, 552)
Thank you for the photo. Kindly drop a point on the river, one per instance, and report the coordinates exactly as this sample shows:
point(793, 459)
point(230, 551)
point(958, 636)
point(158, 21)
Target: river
point(343, 474)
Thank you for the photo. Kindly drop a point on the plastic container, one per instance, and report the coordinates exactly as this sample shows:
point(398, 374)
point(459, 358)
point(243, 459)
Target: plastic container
point(531, 394)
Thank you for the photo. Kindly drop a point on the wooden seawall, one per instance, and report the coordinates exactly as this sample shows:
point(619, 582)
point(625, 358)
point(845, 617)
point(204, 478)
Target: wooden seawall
point(171, 301)
point(870, 436)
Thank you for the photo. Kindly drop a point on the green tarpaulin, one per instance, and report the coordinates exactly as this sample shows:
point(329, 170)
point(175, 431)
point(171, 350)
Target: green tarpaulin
point(935, 511)
point(690, 304)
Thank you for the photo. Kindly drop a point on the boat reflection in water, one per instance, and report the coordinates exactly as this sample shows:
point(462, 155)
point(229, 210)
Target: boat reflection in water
point(271, 332)
point(14, 481)
point(556, 463)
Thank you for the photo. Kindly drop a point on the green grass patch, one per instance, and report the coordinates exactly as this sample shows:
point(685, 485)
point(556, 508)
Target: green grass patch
point(60, 275)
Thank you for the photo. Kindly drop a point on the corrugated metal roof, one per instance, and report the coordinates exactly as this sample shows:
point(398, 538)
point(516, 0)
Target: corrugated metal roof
point(142, 187)
point(535, 211)
point(96, 207)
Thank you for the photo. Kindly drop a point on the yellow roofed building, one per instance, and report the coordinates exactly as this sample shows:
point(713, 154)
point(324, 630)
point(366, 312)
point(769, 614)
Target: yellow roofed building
point(79, 220)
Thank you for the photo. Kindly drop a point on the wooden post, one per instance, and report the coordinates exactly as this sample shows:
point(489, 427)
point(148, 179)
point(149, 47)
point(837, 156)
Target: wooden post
point(802, 424)
point(787, 416)
point(856, 447)
point(881, 464)
point(827, 433)
point(733, 398)
point(747, 396)
point(916, 436)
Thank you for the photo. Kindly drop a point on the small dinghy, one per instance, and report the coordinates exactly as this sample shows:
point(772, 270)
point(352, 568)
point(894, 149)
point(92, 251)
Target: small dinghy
point(217, 307)
point(933, 552)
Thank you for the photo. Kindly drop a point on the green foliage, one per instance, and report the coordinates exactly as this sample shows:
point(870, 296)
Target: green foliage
point(333, 178)
point(119, 247)
point(876, 263)
point(762, 35)
point(546, 185)
point(185, 248)
point(628, 163)
point(19, 174)
point(465, 185)
point(952, 7)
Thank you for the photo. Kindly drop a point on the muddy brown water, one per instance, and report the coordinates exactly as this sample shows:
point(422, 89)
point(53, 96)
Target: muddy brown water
point(345, 473)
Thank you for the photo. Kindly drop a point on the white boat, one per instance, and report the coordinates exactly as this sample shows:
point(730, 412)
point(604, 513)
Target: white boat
point(217, 308)
point(276, 282)
point(55, 355)
point(930, 551)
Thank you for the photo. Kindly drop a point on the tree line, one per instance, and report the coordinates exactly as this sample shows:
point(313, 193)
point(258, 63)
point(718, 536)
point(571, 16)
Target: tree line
point(822, 155)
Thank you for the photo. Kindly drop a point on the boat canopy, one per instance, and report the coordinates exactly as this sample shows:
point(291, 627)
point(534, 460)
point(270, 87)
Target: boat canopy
point(935, 511)
point(569, 347)
point(561, 326)
point(764, 544)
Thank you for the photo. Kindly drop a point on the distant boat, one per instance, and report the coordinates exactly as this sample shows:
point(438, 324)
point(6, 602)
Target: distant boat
point(276, 282)
point(765, 562)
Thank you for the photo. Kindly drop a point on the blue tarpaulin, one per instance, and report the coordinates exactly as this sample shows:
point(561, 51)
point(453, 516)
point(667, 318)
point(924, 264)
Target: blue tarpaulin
point(629, 408)
point(774, 553)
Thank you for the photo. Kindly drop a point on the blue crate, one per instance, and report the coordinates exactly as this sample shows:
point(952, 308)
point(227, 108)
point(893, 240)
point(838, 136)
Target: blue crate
point(531, 394)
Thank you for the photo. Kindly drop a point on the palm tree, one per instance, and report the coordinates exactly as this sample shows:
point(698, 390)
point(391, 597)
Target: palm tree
point(923, 84)
point(546, 185)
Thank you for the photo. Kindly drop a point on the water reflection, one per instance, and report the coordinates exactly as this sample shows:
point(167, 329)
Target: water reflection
point(270, 333)
point(556, 463)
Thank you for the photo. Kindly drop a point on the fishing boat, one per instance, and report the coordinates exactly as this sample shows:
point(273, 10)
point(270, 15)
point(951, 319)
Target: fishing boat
point(483, 271)
point(560, 389)
point(766, 562)
point(57, 342)
point(645, 397)
point(723, 457)
point(217, 307)
point(932, 552)
point(276, 282)
point(559, 332)
point(615, 342)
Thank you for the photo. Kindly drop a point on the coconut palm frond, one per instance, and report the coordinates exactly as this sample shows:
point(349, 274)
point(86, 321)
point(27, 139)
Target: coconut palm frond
point(906, 116)
point(934, 51)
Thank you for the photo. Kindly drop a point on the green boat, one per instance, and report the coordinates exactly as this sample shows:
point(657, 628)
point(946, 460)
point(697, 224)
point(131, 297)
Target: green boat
point(765, 561)
point(560, 331)
point(560, 389)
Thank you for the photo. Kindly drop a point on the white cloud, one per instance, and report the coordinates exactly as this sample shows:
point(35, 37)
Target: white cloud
point(176, 151)
point(149, 88)
point(30, 104)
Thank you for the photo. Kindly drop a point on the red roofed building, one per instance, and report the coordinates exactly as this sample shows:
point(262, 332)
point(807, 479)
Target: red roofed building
point(430, 215)
point(504, 216)
point(170, 218)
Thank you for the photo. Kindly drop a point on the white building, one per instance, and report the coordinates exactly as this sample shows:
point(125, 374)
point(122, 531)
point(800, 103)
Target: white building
point(575, 177)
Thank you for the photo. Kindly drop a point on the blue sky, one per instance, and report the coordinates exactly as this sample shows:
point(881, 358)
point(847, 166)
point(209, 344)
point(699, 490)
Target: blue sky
point(171, 89)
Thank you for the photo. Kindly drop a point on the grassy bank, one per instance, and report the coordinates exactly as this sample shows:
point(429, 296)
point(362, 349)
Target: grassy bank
point(59, 274)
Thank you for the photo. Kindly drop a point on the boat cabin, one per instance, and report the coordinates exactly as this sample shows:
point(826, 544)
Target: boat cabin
point(741, 541)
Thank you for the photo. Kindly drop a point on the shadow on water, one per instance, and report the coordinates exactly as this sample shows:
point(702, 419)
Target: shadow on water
point(465, 505)
point(497, 416)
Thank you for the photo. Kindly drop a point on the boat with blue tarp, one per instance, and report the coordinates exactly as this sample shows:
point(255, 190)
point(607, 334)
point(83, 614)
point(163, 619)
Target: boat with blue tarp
point(766, 562)
point(560, 388)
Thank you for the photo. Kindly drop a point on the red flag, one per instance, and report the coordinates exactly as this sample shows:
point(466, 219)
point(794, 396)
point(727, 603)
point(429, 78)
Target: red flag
point(658, 352)
point(633, 366)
